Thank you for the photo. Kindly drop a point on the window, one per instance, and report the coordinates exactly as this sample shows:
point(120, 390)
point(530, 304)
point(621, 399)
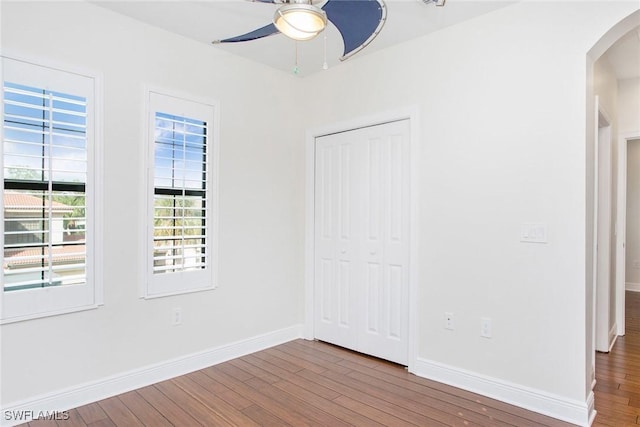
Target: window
point(48, 196)
point(182, 195)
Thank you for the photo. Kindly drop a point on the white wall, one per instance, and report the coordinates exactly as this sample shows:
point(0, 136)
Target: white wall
point(606, 88)
point(633, 213)
point(502, 101)
point(629, 123)
point(260, 200)
point(629, 105)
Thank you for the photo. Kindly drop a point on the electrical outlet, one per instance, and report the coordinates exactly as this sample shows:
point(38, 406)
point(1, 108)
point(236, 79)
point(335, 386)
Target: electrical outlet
point(176, 316)
point(636, 265)
point(448, 320)
point(485, 327)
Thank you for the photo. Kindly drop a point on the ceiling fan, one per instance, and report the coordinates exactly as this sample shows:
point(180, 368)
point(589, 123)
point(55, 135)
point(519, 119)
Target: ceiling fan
point(358, 21)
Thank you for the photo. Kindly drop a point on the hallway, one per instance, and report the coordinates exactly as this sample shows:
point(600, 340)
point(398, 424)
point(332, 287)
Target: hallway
point(617, 388)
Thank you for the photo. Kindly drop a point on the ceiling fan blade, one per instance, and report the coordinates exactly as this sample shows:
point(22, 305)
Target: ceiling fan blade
point(267, 30)
point(359, 22)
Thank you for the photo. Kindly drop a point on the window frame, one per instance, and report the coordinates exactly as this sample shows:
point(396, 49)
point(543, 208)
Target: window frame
point(194, 107)
point(26, 304)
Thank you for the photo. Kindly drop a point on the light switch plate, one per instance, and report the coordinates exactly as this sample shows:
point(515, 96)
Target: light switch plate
point(533, 232)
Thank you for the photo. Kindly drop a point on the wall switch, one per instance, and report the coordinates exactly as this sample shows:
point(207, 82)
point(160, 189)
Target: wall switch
point(448, 320)
point(533, 233)
point(636, 265)
point(485, 327)
point(176, 316)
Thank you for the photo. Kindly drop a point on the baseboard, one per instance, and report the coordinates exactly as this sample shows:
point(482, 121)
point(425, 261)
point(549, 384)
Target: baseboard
point(591, 408)
point(633, 287)
point(613, 335)
point(83, 394)
point(572, 411)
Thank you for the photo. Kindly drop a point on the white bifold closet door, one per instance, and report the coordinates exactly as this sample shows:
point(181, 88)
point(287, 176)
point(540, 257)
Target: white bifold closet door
point(362, 240)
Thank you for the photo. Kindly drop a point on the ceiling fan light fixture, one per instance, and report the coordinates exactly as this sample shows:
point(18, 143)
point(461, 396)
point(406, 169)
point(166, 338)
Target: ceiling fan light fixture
point(300, 21)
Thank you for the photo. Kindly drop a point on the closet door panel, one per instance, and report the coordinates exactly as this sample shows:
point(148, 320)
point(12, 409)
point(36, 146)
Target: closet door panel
point(362, 240)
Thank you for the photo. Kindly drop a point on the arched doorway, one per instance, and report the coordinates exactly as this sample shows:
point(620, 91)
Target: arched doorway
point(604, 229)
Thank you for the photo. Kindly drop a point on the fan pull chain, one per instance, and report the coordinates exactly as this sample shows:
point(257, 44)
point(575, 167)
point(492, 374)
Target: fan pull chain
point(296, 70)
point(325, 66)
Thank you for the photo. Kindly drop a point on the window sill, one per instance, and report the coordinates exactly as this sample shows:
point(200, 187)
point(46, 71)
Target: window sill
point(180, 292)
point(48, 314)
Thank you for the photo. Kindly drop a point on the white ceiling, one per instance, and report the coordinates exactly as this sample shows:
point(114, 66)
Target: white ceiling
point(208, 20)
point(624, 55)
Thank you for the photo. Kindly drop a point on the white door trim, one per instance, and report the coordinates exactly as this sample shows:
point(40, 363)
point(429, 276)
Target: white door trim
point(602, 221)
point(621, 227)
point(412, 114)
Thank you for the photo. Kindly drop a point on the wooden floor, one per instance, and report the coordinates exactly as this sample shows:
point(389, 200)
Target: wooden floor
point(305, 383)
point(618, 374)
